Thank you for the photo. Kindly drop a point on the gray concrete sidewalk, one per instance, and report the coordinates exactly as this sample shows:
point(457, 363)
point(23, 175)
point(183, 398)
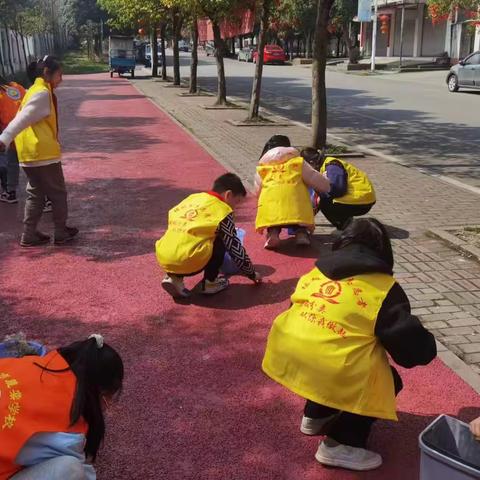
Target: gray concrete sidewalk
point(443, 285)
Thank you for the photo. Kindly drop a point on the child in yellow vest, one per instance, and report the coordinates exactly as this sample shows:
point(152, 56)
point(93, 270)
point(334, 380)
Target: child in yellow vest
point(351, 192)
point(330, 347)
point(283, 180)
point(35, 132)
point(200, 231)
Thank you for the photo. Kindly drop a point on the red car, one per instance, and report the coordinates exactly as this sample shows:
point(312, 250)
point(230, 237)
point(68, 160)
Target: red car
point(271, 54)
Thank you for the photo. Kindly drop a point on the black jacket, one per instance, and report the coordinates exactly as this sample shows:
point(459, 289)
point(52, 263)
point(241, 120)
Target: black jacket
point(401, 333)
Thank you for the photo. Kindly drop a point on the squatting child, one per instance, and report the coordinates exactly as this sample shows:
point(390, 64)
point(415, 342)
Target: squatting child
point(201, 229)
point(330, 347)
point(283, 180)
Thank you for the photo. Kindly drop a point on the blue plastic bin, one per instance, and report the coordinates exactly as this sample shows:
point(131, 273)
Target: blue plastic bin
point(4, 353)
point(449, 451)
point(229, 267)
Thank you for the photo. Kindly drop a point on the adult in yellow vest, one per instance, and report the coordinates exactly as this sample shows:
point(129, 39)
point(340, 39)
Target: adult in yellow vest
point(283, 180)
point(11, 95)
point(35, 130)
point(200, 231)
point(331, 345)
point(351, 192)
point(51, 410)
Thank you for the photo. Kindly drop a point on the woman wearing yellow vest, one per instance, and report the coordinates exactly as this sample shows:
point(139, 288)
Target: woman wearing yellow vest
point(200, 231)
point(35, 130)
point(351, 192)
point(283, 180)
point(331, 345)
point(51, 410)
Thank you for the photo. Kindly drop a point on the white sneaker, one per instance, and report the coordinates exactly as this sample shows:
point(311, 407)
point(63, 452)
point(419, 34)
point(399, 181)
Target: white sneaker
point(302, 239)
point(315, 426)
point(211, 288)
point(175, 287)
point(344, 456)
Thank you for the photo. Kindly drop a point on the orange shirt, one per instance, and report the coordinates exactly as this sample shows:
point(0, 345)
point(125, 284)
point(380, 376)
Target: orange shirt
point(33, 400)
point(11, 96)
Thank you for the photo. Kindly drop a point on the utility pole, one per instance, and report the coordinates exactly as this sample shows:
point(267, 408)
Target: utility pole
point(401, 35)
point(374, 35)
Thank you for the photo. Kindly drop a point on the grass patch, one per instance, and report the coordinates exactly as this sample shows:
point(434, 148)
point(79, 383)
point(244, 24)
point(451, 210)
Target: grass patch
point(78, 63)
point(335, 149)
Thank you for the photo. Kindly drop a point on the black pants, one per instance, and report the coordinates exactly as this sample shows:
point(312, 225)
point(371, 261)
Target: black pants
point(212, 268)
point(339, 213)
point(349, 428)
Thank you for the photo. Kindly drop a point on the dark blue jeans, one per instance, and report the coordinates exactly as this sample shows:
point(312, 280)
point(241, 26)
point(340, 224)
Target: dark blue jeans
point(9, 171)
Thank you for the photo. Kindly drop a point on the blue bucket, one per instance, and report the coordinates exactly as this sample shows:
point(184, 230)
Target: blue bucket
point(229, 267)
point(5, 353)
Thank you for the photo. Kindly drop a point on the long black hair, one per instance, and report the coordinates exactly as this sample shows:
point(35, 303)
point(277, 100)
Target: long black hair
point(36, 68)
point(369, 232)
point(99, 371)
point(274, 142)
point(3, 82)
point(313, 157)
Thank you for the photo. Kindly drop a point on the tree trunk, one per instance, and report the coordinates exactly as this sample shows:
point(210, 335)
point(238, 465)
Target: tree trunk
point(257, 81)
point(24, 50)
point(319, 94)
point(162, 49)
point(9, 48)
point(219, 49)
point(349, 44)
point(308, 43)
point(154, 51)
point(194, 60)
point(177, 27)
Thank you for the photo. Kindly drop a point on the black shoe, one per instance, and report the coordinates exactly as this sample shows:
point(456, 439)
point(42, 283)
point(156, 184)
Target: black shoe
point(36, 241)
point(69, 234)
point(8, 197)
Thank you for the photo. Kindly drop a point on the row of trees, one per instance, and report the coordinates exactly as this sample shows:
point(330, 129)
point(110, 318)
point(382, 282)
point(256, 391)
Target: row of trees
point(285, 18)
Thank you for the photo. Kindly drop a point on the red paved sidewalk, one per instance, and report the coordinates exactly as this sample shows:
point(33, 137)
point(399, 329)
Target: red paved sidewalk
point(196, 404)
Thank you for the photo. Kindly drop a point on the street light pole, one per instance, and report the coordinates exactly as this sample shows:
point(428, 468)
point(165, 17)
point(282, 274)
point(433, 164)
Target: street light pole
point(374, 35)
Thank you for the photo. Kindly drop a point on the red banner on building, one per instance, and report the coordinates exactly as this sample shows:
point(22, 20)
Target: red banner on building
point(233, 28)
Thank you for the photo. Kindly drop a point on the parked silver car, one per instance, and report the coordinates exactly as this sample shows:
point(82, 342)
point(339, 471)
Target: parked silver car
point(246, 54)
point(466, 74)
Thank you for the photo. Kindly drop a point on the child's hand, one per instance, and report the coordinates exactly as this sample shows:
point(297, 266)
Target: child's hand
point(258, 278)
point(475, 428)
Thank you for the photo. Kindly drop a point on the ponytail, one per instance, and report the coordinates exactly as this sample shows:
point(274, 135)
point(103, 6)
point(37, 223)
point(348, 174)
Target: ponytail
point(36, 68)
point(98, 369)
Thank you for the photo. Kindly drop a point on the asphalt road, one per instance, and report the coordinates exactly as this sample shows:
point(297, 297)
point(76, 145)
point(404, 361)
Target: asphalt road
point(410, 116)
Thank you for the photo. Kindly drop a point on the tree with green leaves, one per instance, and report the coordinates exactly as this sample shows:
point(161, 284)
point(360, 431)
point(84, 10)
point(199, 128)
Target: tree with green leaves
point(219, 11)
point(342, 16)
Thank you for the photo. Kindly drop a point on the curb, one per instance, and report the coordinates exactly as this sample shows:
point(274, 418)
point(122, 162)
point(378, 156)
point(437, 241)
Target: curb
point(458, 366)
point(455, 242)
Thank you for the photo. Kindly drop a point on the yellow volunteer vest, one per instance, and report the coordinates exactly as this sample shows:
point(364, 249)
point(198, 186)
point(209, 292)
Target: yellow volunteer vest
point(39, 141)
point(284, 198)
point(324, 347)
point(187, 245)
point(359, 188)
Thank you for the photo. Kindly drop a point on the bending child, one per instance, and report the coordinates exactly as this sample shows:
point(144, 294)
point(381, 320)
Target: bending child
point(56, 406)
point(200, 231)
point(351, 193)
point(282, 180)
point(330, 347)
